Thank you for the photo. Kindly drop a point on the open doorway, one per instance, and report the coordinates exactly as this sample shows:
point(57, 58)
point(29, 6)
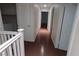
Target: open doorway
point(9, 18)
point(44, 19)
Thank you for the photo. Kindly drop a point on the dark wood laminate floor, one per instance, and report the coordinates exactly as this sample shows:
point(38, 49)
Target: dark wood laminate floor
point(42, 46)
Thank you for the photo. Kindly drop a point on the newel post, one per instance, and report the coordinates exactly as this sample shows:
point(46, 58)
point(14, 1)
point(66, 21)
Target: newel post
point(21, 42)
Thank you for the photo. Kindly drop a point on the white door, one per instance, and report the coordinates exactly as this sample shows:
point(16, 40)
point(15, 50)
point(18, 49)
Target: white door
point(56, 24)
point(67, 27)
point(26, 18)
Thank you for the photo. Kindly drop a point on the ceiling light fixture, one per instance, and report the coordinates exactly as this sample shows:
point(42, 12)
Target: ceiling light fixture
point(45, 5)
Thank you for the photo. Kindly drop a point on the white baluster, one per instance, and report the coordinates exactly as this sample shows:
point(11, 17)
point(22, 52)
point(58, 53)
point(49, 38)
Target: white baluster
point(2, 38)
point(5, 38)
point(10, 51)
point(21, 42)
point(18, 47)
point(4, 53)
point(9, 48)
point(0, 54)
point(14, 47)
point(3, 41)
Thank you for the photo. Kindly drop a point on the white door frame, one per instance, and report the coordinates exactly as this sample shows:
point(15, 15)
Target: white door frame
point(44, 10)
point(49, 18)
point(39, 21)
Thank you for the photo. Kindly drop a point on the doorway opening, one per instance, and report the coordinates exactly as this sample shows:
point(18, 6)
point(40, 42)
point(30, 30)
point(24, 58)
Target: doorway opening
point(9, 17)
point(44, 19)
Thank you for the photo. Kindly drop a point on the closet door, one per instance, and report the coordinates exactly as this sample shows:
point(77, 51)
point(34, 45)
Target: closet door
point(67, 27)
point(56, 24)
point(26, 20)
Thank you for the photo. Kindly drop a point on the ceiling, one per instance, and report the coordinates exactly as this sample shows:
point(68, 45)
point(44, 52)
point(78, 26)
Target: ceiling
point(47, 6)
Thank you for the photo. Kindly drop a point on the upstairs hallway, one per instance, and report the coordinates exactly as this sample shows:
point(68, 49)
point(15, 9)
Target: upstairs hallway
point(43, 46)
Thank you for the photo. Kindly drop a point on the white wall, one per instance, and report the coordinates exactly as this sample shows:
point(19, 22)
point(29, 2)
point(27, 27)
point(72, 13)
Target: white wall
point(27, 19)
point(1, 23)
point(36, 20)
point(74, 39)
point(50, 15)
point(37, 17)
point(67, 27)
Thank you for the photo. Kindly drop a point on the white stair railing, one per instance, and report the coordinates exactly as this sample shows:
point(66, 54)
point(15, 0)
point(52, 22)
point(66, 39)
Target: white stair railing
point(12, 43)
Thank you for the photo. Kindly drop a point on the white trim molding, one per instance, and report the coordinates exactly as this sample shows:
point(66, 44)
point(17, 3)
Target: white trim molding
point(49, 18)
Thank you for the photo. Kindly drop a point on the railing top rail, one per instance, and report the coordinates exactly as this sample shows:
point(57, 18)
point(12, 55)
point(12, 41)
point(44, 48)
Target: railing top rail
point(8, 32)
point(9, 42)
